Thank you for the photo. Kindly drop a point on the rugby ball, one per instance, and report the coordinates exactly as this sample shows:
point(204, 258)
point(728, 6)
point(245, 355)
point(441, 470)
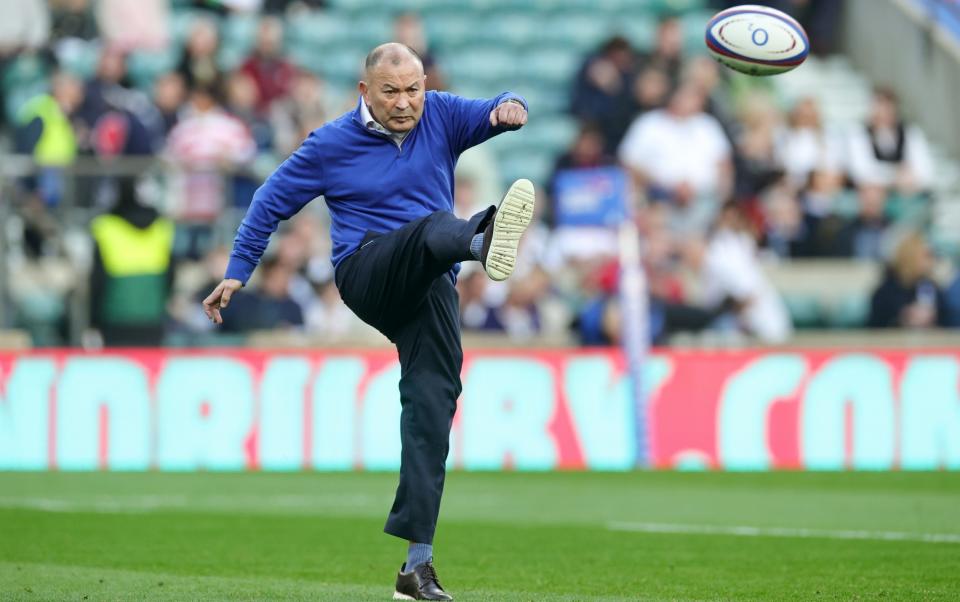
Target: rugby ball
point(757, 40)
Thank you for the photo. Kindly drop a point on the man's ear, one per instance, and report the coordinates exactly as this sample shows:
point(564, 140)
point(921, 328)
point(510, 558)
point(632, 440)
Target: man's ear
point(362, 86)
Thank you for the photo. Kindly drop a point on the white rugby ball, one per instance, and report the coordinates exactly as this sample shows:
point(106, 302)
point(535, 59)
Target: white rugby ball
point(757, 40)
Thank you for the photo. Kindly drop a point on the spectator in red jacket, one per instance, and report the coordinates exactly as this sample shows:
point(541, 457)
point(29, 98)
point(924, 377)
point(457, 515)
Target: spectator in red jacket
point(272, 73)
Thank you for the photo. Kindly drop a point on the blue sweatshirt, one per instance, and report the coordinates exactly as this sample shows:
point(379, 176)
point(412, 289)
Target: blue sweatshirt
point(367, 180)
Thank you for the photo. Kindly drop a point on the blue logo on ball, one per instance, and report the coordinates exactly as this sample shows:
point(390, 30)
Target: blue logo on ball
point(763, 38)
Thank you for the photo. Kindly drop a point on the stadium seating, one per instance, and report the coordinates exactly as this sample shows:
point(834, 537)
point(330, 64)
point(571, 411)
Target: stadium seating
point(484, 47)
point(534, 47)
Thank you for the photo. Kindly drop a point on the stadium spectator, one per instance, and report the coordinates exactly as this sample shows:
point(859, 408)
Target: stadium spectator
point(756, 166)
point(888, 152)
point(520, 312)
point(169, 96)
point(476, 311)
point(703, 73)
point(185, 308)
point(586, 152)
point(680, 155)
point(240, 6)
point(602, 90)
point(226, 7)
point(132, 272)
point(281, 7)
point(820, 229)
point(311, 228)
point(140, 25)
point(328, 317)
point(72, 20)
point(307, 107)
point(805, 145)
point(291, 252)
point(268, 305)
point(667, 52)
point(204, 143)
point(864, 237)
point(121, 119)
point(650, 89)
point(243, 103)
point(790, 232)
point(24, 26)
point(822, 192)
point(272, 73)
point(600, 320)
point(198, 64)
point(731, 273)
point(44, 130)
point(408, 29)
point(205, 140)
point(480, 170)
point(909, 297)
point(952, 299)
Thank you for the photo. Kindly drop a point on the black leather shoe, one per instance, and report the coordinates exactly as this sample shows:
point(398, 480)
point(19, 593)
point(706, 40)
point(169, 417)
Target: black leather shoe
point(421, 583)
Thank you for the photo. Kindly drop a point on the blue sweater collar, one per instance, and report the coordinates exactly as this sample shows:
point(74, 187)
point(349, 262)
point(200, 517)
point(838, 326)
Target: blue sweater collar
point(357, 117)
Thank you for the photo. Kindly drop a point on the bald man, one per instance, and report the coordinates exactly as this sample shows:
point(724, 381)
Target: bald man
point(385, 171)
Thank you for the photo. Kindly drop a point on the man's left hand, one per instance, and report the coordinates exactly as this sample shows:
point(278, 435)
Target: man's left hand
point(508, 114)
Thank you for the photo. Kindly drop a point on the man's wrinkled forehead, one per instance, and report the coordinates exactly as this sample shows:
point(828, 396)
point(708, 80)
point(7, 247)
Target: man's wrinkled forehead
point(402, 76)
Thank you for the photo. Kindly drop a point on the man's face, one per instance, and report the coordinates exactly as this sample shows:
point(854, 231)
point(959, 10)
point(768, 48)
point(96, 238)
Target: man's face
point(686, 102)
point(394, 93)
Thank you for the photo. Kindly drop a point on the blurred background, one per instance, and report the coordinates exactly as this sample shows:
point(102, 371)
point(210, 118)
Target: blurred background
point(819, 207)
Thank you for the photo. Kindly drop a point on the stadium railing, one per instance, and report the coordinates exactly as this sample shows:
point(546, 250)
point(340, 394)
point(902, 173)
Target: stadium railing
point(77, 205)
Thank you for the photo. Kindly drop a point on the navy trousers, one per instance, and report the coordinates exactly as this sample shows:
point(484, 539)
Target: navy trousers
point(399, 283)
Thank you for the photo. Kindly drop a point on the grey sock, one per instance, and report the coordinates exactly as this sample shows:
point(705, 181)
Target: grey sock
point(417, 554)
point(476, 246)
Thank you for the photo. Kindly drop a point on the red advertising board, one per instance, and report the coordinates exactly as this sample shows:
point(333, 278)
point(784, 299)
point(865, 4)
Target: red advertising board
point(524, 410)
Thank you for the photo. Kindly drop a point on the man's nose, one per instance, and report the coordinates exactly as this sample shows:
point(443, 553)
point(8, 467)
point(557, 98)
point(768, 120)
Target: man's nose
point(402, 103)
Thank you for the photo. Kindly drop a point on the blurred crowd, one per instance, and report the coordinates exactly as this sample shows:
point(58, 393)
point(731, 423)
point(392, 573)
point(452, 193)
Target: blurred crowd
point(717, 176)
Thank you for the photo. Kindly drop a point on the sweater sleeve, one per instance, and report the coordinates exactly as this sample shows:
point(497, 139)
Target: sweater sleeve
point(469, 119)
point(295, 183)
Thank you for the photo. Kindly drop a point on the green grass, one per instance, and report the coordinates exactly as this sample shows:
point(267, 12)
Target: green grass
point(543, 536)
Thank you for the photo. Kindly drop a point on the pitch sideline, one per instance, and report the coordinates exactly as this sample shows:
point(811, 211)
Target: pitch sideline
point(745, 531)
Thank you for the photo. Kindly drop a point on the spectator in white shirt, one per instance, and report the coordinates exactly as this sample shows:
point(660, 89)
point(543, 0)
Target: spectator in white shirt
point(730, 269)
point(24, 25)
point(887, 152)
point(680, 154)
point(805, 145)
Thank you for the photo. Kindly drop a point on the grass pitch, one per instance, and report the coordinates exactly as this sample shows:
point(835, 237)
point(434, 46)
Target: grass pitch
point(556, 536)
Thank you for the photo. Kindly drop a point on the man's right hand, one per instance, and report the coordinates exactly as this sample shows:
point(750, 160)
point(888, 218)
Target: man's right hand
point(220, 298)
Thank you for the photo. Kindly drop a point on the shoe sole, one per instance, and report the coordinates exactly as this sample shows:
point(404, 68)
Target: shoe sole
point(399, 596)
point(513, 216)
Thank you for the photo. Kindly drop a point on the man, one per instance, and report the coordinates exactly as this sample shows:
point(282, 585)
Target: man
point(386, 173)
point(271, 72)
point(681, 155)
point(132, 275)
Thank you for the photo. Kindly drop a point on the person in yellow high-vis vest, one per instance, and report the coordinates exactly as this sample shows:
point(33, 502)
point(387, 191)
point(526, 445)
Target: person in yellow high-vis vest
point(44, 130)
point(132, 272)
point(45, 125)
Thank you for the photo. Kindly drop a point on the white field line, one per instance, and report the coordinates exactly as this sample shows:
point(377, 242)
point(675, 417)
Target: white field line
point(680, 529)
point(162, 502)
